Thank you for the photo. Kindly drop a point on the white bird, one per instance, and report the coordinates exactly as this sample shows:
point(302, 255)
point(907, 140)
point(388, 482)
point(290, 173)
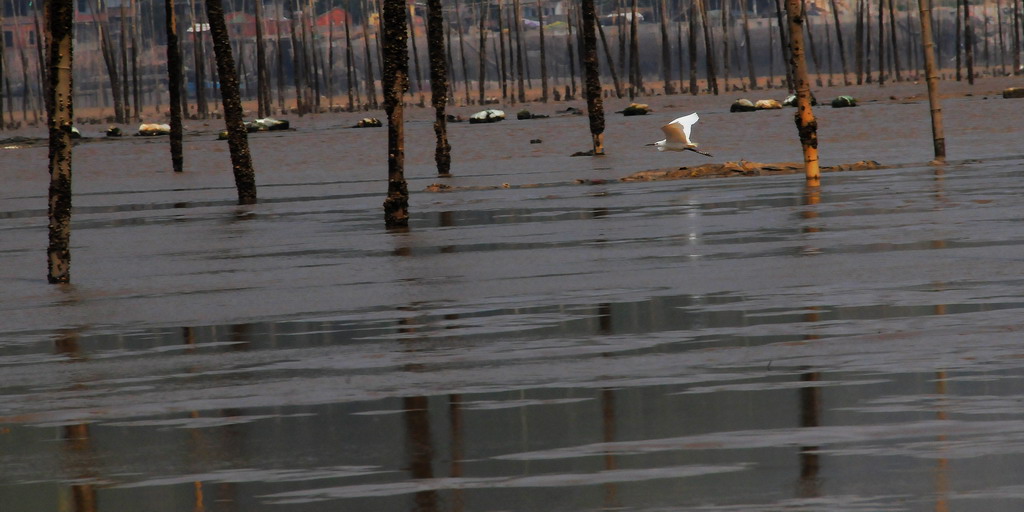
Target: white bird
point(677, 136)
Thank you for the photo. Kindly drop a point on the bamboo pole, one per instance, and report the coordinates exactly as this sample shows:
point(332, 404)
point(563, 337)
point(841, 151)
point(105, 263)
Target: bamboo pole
point(636, 77)
point(395, 82)
point(786, 57)
point(897, 71)
point(59, 22)
point(238, 139)
point(595, 108)
point(806, 125)
point(709, 47)
point(928, 47)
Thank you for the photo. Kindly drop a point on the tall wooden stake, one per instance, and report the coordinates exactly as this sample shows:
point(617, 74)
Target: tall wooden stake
point(806, 125)
point(238, 139)
point(928, 45)
point(595, 106)
point(174, 79)
point(59, 24)
point(395, 82)
point(438, 85)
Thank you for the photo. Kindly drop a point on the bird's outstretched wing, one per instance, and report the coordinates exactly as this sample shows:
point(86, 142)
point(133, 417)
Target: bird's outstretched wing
point(679, 129)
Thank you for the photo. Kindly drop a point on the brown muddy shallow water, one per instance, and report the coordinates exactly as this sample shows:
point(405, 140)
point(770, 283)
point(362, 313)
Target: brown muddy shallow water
point(714, 345)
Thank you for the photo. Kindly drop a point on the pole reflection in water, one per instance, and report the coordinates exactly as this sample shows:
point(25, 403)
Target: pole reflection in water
point(420, 449)
point(611, 498)
point(942, 464)
point(80, 459)
point(455, 421)
point(810, 417)
point(81, 466)
point(811, 197)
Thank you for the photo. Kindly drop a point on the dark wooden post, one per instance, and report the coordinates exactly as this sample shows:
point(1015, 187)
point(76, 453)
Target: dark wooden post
point(395, 83)
point(59, 24)
point(174, 79)
point(594, 103)
point(238, 139)
point(438, 85)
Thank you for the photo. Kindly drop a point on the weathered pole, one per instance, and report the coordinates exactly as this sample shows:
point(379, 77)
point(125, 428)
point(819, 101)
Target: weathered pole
point(3, 71)
point(806, 125)
point(839, 41)
point(968, 42)
point(482, 67)
point(928, 45)
point(611, 63)
point(595, 107)
point(395, 82)
point(462, 51)
point(59, 16)
point(518, 21)
point(636, 78)
point(666, 50)
point(438, 85)
point(238, 139)
point(752, 74)
point(174, 79)
point(897, 72)
point(786, 56)
point(691, 44)
point(543, 54)
point(262, 76)
point(709, 47)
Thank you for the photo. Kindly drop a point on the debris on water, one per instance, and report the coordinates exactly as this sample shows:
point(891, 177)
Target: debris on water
point(844, 101)
point(741, 168)
point(438, 187)
point(368, 122)
point(114, 131)
point(635, 109)
point(572, 111)
point(742, 105)
point(791, 101)
point(452, 118)
point(75, 134)
point(487, 116)
point(526, 114)
point(767, 105)
point(1013, 92)
point(269, 124)
point(589, 152)
point(153, 129)
point(536, 141)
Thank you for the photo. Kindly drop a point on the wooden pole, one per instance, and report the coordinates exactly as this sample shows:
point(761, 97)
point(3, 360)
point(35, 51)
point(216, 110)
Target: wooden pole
point(395, 82)
point(593, 86)
point(543, 54)
point(238, 139)
point(806, 125)
point(59, 22)
point(174, 79)
point(928, 46)
point(438, 85)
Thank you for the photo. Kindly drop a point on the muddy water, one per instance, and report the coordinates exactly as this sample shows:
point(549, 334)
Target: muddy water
point(720, 345)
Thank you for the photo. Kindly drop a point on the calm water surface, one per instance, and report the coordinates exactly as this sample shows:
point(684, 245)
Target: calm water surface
point(717, 345)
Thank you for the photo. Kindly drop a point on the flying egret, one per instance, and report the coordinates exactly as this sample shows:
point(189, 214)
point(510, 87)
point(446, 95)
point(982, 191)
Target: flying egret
point(677, 136)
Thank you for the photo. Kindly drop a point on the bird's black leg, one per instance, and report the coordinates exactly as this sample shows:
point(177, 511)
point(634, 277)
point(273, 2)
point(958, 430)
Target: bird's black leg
point(698, 151)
